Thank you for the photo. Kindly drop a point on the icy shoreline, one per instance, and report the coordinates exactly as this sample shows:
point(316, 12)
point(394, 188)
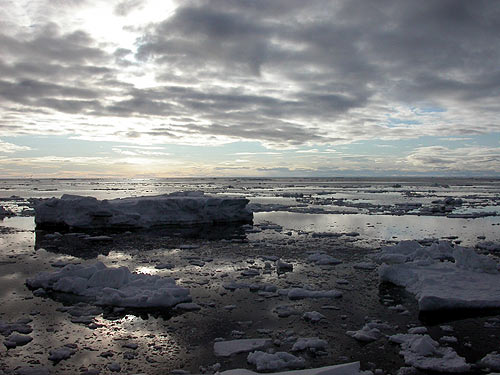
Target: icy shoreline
point(76, 211)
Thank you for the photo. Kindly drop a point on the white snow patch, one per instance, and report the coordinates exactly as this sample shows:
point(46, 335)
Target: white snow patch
point(113, 286)
point(272, 362)
point(422, 352)
point(470, 280)
point(343, 369)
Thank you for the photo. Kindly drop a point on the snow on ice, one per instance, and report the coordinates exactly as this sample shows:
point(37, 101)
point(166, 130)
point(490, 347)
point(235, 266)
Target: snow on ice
point(113, 286)
point(271, 362)
point(442, 276)
point(422, 352)
point(140, 212)
point(343, 369)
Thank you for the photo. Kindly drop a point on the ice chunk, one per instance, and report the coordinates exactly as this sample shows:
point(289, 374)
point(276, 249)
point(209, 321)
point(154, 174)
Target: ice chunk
point(470, 280)
point(228, 348)
point(491, 361)
point(16, 339)
point(313, 316)
point(140, 212)
point(343, 369)
point(113, 286)
point(309, 343)
point(422, 352)
point(489, 246)
point(39, 370)
point(365, 334)
point(282, 266)
point(64, 352)
point(365, 266)
point(272, 362)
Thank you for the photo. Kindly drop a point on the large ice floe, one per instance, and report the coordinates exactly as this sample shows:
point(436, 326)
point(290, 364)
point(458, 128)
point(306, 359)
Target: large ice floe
point(109, 286)
point(140, 212)
point(441, 276)
point(343, 369)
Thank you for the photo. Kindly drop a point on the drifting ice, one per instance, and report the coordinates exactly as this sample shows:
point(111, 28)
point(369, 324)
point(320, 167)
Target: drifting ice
point(344, 369)
point(442, 277)
point(113, 286)
point(140, 212)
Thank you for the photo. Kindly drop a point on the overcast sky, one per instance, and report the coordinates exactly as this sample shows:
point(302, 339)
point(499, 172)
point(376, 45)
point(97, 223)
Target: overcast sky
point(146, 88)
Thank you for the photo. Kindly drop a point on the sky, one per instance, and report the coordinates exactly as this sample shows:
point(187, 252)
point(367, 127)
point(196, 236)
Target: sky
point(165, 88)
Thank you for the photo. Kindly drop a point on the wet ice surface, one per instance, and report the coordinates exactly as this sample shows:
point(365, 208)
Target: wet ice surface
point(80, 336)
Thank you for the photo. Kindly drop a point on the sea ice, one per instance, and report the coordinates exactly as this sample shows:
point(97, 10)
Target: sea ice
point(228, 348)
point(282, 266)
point(309, 343)
point(16, 339)
point(20, 326)
point(284, 311)
point(491, 361)
point(272, 362)
point(422, 352)
point(343, 369)
point(365, 334)
point(64, 352)
point(113, 286)
point(301, 293)
point(140, 212)
point(323, 259)
point(489, 246)
point(441, 276)
point(32, 371)
point(313, 316)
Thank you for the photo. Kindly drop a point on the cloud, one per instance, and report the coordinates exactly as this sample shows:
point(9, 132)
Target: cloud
point(6, 147)
point(460, 159)
point(286, 73)
point(123, 8)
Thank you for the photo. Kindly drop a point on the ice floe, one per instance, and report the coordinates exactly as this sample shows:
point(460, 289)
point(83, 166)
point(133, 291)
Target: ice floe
point(140, 212)
point(343, 369)
point(113, 286)
point(309, 343)
point(491, 361)
point(271, 362)
point(422, 352)
point(231, 347)
point(313, 316)
point(323, 259)
point(441, 276)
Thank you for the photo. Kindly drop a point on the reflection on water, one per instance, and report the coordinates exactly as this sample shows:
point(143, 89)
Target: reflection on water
point(91, 244)
point(382, 227)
